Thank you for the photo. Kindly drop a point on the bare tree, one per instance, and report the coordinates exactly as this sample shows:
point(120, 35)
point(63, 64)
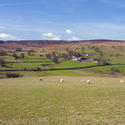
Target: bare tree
point(101, 59)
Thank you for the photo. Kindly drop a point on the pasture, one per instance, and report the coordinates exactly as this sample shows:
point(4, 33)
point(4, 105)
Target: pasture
point(29, 101)
point(24, 57)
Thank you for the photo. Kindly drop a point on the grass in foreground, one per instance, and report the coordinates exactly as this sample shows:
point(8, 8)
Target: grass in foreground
point(28, 101)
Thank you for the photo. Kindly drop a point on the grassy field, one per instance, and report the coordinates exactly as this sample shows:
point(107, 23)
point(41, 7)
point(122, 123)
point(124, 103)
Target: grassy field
point(28, 101)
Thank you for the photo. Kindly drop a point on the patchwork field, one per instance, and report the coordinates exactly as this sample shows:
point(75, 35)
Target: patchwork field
point(27, 57)
point(29, 101)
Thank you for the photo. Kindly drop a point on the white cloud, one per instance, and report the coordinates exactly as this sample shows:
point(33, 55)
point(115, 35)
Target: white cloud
point(48, 35)
point(75, 38)
point(68, 31)
point(56, 38)
point(99, 30)
point(51, 36)
point(7, 36)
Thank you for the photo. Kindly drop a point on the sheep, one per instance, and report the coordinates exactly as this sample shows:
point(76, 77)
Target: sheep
point(61, 80)
point(41, 79)
point(88, 81)
point(121, 81)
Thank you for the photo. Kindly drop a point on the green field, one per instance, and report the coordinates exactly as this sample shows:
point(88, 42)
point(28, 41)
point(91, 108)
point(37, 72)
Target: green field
point(28, 101)
point(34, 61)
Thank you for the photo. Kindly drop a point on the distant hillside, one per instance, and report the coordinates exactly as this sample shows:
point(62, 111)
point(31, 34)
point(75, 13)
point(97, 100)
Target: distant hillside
point(56, 41)
point(12, 45)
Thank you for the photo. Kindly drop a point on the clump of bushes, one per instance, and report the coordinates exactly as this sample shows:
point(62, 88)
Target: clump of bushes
point(2, 76)
point(13, 75)
point(114, 70)
point(10, 75)
point(46, 64)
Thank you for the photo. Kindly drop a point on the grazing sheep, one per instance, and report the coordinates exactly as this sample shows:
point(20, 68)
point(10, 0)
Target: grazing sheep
point(41, 79)
point(61, 80)
point(121, 81)
point(88, 81)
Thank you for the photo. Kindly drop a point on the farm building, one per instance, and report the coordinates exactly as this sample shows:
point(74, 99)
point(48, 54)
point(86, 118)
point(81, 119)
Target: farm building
point(82, 59)
point(74, 58)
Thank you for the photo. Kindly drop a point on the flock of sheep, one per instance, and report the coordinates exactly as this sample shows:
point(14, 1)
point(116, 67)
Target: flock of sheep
point(61, 80)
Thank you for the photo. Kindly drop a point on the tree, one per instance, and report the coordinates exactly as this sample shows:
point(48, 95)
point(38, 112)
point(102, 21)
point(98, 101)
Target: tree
point(54, 54)
point(15, 56)
point(83, 50)
point(77, 54)
point(48, 56)
point(56, 60)
point(70, 54)
point(64, 56)
point(114, 70)
point(41, 55)
point(102, 61)
point(22, 55)
point(29, 53)
point(2, 63)
point(99, 51)
point(3, 53)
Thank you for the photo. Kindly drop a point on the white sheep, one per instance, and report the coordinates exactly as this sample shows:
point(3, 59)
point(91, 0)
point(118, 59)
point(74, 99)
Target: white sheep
point(61, 80)
point(121, 81)
point(88, 81)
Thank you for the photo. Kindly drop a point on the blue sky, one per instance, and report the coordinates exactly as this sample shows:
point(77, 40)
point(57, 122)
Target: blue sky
point(62, 19)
